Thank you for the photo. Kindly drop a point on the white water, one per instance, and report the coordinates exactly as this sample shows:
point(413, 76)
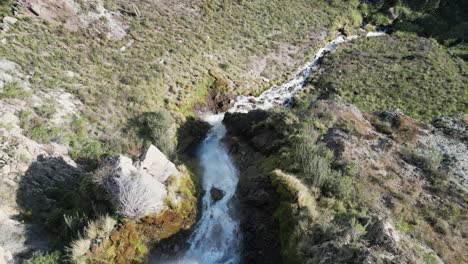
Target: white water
point(216, 239)
point(279, 95)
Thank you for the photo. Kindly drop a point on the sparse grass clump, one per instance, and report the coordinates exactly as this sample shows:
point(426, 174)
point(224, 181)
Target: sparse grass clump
point(13, 90)
point(313, 158)
point(305, 196)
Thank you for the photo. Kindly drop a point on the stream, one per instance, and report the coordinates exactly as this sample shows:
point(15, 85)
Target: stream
point(216, 237)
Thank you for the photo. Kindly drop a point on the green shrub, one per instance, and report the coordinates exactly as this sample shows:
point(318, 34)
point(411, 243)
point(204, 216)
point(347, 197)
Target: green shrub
point(44, 134)
point(313, 158)
point(429, 161)
point(356, 229)
point(46, 111)
point(159, 128)
point(82, 147)
point(442, 227)
point(6, 7)
point(54, 257)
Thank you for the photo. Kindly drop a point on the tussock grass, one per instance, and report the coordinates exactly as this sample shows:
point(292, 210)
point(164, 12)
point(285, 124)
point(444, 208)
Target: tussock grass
point(305, 197)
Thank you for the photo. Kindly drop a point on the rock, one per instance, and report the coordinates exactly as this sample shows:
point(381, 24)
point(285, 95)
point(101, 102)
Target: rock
point(9, 20)
point(216, 194)
point(5, 256)
point(384, 234)
point(455, 126)
point(157, 165)
point(5, 169)
point(190, 134)
point(134, 192)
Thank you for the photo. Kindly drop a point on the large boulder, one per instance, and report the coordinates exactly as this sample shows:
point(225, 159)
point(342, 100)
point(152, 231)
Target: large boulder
point(138, 189)
point(157, 165)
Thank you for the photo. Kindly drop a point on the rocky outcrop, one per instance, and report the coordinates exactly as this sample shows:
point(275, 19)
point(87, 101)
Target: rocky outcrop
point(29, 168)
point(74, 16)
point(155, 200)
point(138, 189)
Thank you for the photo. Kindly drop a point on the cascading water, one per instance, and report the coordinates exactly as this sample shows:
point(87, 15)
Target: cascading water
point(216, 238)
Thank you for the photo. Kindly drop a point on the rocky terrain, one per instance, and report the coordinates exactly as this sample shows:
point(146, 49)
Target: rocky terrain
point(394, 171)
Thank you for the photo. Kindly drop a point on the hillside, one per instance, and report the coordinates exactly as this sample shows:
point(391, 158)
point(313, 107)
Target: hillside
point(233, 131)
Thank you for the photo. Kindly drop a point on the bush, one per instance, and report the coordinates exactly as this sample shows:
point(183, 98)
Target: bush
point(100, 229)
point(429, 161)
point(85, 150)
point(442, 226)
point(159, 128)
point(135, 195)
point(356, 229)
point(54, 257)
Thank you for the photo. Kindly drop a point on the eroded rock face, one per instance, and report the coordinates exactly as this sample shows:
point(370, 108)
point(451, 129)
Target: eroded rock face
point(257, 196)
point(138, 189)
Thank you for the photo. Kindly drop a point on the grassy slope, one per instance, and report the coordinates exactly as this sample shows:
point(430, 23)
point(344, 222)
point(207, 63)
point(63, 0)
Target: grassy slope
point(179, 49)
point(401, 71)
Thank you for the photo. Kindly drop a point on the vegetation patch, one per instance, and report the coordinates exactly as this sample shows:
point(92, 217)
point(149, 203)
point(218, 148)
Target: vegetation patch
point(400, 71)
point(13, 90)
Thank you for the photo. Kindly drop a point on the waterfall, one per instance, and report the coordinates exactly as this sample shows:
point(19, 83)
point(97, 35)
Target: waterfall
point(216, 237)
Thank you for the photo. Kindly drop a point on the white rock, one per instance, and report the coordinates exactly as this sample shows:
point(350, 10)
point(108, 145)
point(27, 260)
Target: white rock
point(5, 170)
point(7, 66)
point(10, 20)
point(157, 165)
point(71, 74)
point(135, 193)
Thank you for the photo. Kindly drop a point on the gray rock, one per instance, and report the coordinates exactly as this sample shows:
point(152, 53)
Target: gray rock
point(216, 194)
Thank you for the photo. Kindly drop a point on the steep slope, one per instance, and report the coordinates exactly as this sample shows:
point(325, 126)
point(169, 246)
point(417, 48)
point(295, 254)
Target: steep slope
point(355, 192)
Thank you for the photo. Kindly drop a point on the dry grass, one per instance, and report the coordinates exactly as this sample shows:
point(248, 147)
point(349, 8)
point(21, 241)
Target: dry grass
point(305, 197)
